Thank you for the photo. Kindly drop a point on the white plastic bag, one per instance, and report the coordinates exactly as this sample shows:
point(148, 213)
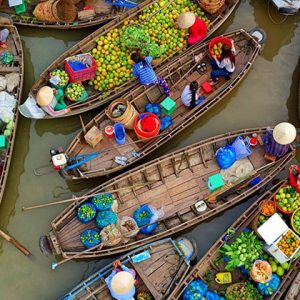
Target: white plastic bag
point(7, 105)
point(2, 83)
point(12, 81)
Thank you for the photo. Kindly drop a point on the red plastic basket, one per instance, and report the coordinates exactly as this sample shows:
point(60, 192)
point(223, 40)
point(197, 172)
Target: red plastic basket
point(82, 75)
point(143, 134)
point(223, 39)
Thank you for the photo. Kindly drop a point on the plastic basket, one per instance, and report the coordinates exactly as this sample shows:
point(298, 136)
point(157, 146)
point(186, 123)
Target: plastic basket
point(81, 75)
point(287, 212)
point(223, 39)
point(80, 99)
point(292, 221)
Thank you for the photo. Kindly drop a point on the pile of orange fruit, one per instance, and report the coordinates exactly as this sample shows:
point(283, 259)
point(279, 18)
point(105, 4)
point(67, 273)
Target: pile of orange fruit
point(289, 243)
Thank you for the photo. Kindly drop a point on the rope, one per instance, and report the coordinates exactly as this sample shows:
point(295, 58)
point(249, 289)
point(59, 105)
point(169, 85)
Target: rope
point(271, 18)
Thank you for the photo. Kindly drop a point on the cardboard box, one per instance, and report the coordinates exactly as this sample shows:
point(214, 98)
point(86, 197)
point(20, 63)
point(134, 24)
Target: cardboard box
point(93, 136)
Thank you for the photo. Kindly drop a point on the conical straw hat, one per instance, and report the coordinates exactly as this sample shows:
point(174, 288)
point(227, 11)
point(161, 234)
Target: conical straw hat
point(44, 96)
point(284, 133)
point(122, 282)
point(186, 20)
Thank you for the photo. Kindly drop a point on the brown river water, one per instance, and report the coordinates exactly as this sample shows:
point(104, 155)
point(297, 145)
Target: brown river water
point(266, 96)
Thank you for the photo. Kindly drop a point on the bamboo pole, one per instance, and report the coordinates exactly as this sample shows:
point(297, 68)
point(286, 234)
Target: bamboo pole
point(15, 243)
point(86, 196)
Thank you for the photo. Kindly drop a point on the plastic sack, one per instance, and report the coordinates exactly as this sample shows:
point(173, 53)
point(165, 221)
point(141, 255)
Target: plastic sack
point(103, 201)
point(2, 83)
point(268, 288)
point(12, 81)
point(165, 122)
point(90, 238)
point(213, 296)
point(128, 227)
point(86, 212)
point(7, 105)
point(225, 156)
point(241, 147)
point(195, 290)
point(105, 218)
point(111, 235)
point(153, 108)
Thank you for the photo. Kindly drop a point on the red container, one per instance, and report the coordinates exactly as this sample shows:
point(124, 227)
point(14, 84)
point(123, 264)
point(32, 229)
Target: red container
point(109, 131)
point(223, 39)
point(207, 88)
point(145, 134)
point(82, 75)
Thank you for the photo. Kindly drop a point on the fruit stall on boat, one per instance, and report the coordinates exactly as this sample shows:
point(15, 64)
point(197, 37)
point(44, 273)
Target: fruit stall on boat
point(159, 267)
point(11, 83)
point(64, 14)
point(107, 70)
point(243, 263)
point(162, 197)
point(148, 118)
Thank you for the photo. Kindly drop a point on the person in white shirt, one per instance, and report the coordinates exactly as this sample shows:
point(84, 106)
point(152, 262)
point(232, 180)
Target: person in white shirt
point(225, 66)
point(190, 95)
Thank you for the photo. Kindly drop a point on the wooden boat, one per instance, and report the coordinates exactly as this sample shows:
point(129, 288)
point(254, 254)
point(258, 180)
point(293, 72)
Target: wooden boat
point(28, 19)
point(174, 182)
point(287, 8)
point(178, 74)
point(96, 98)
point(207, 263)
point(294, 291)
point(157, 275)
point(14, 46)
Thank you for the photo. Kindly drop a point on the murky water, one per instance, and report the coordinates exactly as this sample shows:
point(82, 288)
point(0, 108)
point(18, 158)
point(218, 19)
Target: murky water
point(266, 96)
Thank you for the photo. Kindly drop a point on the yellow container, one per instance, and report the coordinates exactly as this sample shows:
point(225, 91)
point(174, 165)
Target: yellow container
point(223, 278)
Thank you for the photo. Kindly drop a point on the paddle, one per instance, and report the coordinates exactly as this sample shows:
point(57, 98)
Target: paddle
point(15, 243)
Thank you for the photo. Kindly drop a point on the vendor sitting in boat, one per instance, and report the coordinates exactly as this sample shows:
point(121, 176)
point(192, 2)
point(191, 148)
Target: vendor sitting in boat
point(224, 66)
point(51, 101)
point(4, 33)
point(121, 282)
point(191, 94)
point(277, 142)
point(197, 27)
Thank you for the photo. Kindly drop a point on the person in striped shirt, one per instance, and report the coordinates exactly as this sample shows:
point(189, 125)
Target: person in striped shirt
point(143, 70)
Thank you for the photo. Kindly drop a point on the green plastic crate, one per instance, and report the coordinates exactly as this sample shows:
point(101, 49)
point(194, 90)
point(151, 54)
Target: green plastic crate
point(3, 142)
point(214, 182)
point(20, 8)
point(168, 106)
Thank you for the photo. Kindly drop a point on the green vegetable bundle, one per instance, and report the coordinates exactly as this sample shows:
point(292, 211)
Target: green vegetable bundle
point(245, 249)
point(153, 49)
point(244, 291)
point(135, 37)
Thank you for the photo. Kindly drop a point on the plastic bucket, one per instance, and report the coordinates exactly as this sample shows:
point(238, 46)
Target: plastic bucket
point(127, 118)
point(141, 134)
point(218, 39)
point(120, 134)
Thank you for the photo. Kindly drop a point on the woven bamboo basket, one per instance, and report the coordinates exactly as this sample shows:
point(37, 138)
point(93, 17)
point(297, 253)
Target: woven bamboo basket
point(211, 6)
point(43, 11)
point(64, 11)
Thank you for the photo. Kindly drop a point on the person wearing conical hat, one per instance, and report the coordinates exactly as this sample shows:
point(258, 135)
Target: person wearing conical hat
point(51, 101)
point(121, 282)
point(197, 27)
point(4, 33)
point(277, 141)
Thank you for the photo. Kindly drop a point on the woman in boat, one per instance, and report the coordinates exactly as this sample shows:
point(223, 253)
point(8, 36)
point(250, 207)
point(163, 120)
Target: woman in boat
point(277, 142)
point(190, 96)
point(121, 282)
point(225, 66)
point(51, 101)
point(197, 27)
point(4, 33)
point(143, 70)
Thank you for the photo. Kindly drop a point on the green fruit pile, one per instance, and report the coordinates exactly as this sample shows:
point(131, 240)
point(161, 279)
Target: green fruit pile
point(296, 221)
point(62, 75)
point(279, 269)
point(74, 91)
point(288, 199)
point(217, 49)
point(261, 220)
point(9, 127)
point(114, 65)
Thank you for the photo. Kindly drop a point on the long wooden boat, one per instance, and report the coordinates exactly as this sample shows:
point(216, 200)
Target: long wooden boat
point(178, 74)
point(157, 275)
point(29, 20)
point(14, 46)
point(174, 182)
point(294, 291)
point(208, 261)
point(95, 97)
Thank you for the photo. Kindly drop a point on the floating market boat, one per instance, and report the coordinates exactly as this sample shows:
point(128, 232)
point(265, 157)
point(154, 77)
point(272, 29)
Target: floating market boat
point(12, 72)
point(175, 183)
point(98, 43)
point(163, 267)
point(212, 263)
point(294, 290)
point(286, 7)
point(178, 74)
point(102, 13)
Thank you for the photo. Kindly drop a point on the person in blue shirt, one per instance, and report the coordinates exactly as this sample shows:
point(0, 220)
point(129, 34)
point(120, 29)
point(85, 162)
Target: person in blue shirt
point(121, 282)
point(143, 70)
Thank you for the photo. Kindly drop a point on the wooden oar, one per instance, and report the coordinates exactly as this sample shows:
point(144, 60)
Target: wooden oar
point(86, 196)
point(15, 243)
